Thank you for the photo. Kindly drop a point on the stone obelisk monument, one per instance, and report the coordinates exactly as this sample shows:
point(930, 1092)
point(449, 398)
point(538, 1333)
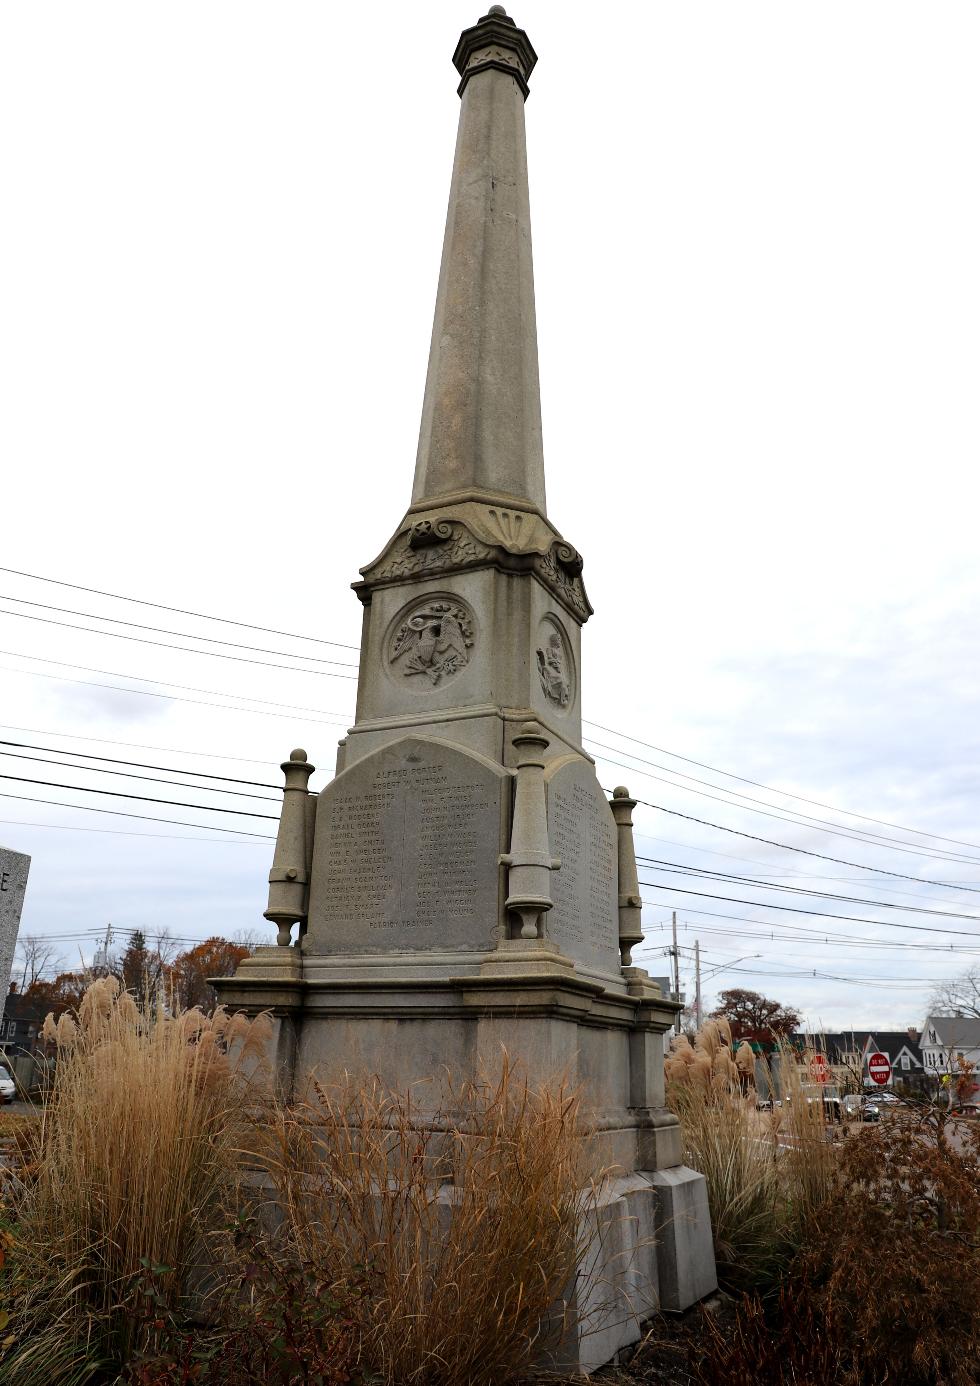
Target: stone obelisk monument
point(463, 883)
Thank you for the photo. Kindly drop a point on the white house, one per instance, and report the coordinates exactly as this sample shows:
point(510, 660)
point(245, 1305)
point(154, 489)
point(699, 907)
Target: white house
point(947, 1038)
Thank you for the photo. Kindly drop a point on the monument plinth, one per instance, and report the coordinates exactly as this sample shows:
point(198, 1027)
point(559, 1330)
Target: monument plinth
point(463, 884)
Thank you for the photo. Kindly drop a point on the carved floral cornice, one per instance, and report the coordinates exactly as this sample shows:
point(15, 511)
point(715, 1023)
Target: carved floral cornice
point(471, 535)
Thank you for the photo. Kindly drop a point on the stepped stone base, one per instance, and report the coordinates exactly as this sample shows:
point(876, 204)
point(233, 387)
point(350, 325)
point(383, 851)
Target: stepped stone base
point(411, 1018)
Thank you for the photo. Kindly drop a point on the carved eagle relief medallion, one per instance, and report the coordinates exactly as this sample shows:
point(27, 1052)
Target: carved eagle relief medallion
point(432, 642)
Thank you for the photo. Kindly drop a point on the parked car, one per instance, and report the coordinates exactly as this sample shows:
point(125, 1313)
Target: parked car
point(971, 1110)
point(869, 1112)
point(8, 1088)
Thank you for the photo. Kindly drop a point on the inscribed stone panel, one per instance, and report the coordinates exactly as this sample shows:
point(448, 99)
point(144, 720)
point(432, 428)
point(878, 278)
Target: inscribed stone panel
point(406, 852)
point(585, 919)
point(13, 882)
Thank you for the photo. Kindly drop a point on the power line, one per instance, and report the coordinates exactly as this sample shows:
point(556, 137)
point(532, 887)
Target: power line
point(168, 697)
point(36, 577)
point(798, 909)
point(165, 645)
point(133, 745)
point(147, 818)
point(176, 610)
point(723, 877)
point(854, 836)
point(128, 775)
point(166, 683)
point(140, 765)
point(837, 940)
point(122, 832)
point(787, 847)
point(801, 974)
point(804, 933)
point(160, 935)
point(729, 774)
point(143, 798)
point(181, 634)
point(771, 873)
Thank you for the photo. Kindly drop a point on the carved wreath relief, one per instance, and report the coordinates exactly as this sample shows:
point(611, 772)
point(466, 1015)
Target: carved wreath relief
point(433, 641)
point(553, 671)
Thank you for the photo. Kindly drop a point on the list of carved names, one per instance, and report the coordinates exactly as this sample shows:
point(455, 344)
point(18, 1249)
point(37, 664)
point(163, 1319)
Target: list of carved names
point(406, 856)
point(584, 920)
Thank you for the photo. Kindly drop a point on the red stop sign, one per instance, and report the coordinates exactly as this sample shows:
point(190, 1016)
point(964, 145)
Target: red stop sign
point(879, 1069)
point(819, 1068)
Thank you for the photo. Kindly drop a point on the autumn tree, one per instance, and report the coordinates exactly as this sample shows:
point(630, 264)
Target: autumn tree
point(35, 958)
point(958, 996)
point(143, 966)
point(754, 1017)
point(188, 976)
point(62, 994)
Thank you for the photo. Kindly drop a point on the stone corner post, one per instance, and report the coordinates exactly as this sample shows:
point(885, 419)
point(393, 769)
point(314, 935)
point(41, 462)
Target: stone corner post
point(529, 860)
point(289, 877)
point(630, 904)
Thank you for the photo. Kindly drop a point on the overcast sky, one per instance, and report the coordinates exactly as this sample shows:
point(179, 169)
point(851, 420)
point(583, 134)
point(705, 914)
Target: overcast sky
point(758, 290)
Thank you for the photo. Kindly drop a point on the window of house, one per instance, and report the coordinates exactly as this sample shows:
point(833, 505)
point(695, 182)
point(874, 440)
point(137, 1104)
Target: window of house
point(903, 1061)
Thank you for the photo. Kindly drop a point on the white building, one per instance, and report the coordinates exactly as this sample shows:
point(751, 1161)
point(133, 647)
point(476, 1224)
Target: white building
point(948, 1038)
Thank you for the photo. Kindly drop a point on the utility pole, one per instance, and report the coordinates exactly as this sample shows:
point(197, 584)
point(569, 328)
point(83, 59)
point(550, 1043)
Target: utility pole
point(100, 959)
point(697, 984)
point(677, 971)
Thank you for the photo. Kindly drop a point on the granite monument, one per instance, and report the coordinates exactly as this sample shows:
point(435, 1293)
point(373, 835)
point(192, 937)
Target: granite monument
point(463, 883)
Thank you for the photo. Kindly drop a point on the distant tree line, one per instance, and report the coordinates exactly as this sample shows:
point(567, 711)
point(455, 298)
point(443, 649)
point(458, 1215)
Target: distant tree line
point(147, 969)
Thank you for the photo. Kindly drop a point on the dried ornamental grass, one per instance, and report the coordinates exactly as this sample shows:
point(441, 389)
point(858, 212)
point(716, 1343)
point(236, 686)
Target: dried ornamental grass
point(768, 1177)
point(725, 1141)
point(465, 1225)
point(138, 1140)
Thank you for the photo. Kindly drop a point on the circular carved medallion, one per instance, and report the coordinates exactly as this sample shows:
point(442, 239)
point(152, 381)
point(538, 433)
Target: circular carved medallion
point(431, 641)
point(555, 664)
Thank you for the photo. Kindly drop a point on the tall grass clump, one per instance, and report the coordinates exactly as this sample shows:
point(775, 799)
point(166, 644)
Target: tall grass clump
point(135, 1152)
point(731, 1144)
point(463, 1225)
point(769, 1175)
point(808, 1161)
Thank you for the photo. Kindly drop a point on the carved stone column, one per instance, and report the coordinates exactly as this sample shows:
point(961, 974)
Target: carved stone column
point(289, 877)
point(529, 860)
point(630, 904)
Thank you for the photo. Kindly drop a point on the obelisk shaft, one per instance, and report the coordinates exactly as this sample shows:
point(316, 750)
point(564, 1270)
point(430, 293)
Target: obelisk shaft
point(481, 418)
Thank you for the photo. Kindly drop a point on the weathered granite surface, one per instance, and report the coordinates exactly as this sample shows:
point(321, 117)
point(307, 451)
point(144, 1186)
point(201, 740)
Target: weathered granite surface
point(407, 852)
point(585, 919)
point(462, 889)
point(14, 867)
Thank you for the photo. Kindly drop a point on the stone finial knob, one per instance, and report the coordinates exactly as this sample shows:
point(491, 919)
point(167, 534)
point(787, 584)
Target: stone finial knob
point(621, 792)
point(496, 9)
point(298, 754)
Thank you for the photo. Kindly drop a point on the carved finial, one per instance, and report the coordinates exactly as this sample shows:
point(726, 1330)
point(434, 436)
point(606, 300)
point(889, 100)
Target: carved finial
point(529, 735)
point(495, 42)
point(621, 792)
point(298, 754)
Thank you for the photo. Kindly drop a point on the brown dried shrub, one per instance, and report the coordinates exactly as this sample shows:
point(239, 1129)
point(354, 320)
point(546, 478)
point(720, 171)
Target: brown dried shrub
point(896, 1260)
point(885, 1290)
point(786, 1344)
